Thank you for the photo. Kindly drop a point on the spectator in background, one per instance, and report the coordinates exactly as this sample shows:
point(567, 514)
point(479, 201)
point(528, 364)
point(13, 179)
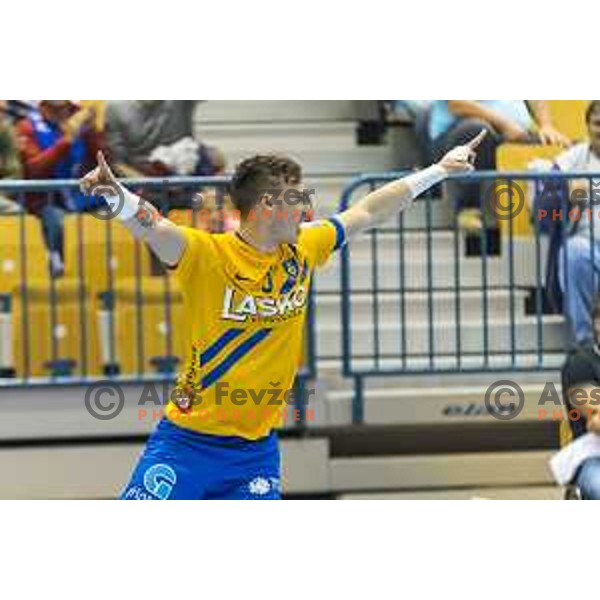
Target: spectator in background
point(580, 382)
point(10, 165)
point(574, 255)
point(453, 122)
point(156, 138)
point(58, 140)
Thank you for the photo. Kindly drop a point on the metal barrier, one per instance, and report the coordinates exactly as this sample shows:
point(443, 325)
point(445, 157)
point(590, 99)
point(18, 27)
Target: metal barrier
point(114, 314)
point(420, 297)
point(417, 297)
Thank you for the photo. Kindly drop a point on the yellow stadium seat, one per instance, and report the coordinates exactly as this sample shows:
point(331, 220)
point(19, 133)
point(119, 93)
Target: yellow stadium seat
point(100, 108)
point(515, 158)
point(61, 329)
point(100, 251)
point(568, 116)
point(22, 244)
point(565, 433)
point(148, 327)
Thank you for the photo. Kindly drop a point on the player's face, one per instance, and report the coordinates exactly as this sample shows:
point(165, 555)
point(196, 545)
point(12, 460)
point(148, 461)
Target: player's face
point(289, 211)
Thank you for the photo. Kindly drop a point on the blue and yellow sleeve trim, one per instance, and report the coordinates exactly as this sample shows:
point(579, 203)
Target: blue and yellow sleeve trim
point(340, 233)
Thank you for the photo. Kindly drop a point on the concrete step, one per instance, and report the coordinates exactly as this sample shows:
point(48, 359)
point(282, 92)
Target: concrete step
point(331, 412)
point(329, 192)
point(392, 274)
point(448, 405)
point(392, 247)
point(63, 472)
point(335, 382)
point(482, 469)
point(541, 492)
point(387, 307)
point(406, 245)
point(399, 366)
point(240, 111)
point(351, 161)
point(279, 137)
point(526, 254)
point(329, 342)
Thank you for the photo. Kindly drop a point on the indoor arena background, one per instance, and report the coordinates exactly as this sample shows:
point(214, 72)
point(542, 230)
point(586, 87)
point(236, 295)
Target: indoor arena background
point(428, 345)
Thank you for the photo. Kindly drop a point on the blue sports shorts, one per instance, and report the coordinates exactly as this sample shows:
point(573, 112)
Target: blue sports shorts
point(180, 464)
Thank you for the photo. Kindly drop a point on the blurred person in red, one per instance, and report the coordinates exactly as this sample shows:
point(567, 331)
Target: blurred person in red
point(57, 140)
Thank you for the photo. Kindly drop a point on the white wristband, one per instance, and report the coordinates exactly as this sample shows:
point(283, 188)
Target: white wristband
point(123, 203)
point(423, 180)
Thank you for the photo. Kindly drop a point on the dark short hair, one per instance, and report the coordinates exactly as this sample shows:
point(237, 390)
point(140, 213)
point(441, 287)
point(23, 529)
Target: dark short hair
point(256, 175)
point(592, 107)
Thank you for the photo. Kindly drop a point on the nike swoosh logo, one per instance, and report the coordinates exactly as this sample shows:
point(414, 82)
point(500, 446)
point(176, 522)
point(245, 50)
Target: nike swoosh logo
point(241, 278)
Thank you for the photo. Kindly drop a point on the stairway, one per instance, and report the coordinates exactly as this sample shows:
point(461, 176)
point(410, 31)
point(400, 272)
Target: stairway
point(320, 134)
point(446, 321)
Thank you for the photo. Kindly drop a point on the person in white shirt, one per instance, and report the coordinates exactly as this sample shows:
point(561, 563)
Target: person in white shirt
point(580, 376)
point(579, 257)
point(453, 122)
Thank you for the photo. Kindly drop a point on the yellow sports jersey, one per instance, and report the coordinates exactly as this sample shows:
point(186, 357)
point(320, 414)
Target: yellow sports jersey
point(244, 313)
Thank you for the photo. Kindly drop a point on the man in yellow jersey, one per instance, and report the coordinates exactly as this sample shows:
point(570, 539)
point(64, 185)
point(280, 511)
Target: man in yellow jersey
point(245, 296)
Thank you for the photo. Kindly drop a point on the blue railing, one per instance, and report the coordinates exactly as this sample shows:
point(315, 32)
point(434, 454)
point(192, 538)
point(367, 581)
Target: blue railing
point(416, 296)
point(419, 297)
point(114, 313)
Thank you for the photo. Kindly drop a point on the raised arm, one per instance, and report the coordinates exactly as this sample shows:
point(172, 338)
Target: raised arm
point(138, 215)
point(382, 204)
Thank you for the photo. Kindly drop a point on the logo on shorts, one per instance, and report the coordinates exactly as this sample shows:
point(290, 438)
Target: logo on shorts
point(259, 486)
point(159, 481)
